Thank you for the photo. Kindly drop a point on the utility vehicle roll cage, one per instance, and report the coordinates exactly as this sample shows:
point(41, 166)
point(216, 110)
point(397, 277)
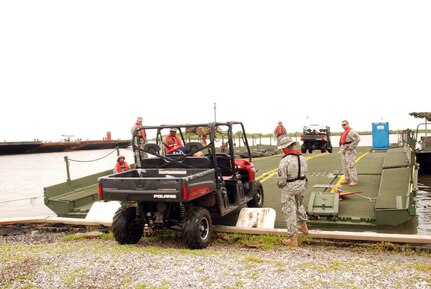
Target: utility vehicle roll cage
point(223, 163)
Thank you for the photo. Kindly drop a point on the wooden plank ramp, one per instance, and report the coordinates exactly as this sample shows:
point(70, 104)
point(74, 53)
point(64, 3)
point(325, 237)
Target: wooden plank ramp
point(317, 234)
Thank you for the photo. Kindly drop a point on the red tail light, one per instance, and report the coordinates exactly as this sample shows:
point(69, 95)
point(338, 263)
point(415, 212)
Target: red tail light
point(185, 191)
point(100, 190)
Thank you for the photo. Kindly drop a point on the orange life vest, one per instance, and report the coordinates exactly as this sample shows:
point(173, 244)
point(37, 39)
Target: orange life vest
point(280, 130)
point(120, 168)
point(142, 132)
point(344, 136)
point(176, 143)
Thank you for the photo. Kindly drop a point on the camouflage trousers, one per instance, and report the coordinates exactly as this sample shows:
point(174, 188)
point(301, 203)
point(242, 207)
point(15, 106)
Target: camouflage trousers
point(279, 138)
point(139, 154)
point(349, 167)
point(293, 209)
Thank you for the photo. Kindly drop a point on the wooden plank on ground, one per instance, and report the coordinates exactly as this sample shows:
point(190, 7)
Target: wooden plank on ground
point(334, 235)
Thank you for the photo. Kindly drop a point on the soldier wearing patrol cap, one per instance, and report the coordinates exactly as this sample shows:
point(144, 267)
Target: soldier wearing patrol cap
point(292, 182)
point(139, 139)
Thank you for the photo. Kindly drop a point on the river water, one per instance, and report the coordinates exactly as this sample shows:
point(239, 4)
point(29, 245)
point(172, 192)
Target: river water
point(23, 177)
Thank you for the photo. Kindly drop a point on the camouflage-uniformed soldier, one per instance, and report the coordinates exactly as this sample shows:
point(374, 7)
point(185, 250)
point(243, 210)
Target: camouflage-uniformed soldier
point(292, 182)
point(349, 140)
point(139, 139)
point(279, 132)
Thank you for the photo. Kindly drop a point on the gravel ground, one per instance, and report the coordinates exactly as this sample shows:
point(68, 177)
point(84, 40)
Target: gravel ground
point(34, 258)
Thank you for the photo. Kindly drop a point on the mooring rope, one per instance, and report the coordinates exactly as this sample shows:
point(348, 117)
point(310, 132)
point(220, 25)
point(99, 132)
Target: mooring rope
point(22, 199)
point(79, 161)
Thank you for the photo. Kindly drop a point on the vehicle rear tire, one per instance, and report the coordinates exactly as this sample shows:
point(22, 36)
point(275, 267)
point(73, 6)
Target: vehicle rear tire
point(310, 150)
point(257, 201)
point(125, 227)
point(303, 149)
point(197, 228)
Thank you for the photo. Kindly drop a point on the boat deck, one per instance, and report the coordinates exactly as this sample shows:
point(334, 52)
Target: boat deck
point(383, 196)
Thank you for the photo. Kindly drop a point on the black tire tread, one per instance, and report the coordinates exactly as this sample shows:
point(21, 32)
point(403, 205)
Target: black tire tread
point(190, 228)
point(124, 226)
point(253, 203)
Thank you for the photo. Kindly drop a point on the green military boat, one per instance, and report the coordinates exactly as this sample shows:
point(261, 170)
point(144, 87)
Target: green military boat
point(384, 197)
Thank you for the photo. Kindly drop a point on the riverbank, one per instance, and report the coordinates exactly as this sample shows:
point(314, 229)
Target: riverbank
point(61, 257)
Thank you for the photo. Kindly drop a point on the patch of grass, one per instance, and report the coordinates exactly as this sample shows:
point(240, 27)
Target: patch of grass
point(126, 282)
point(426, 267)
point(391, 247)
point(264, 242)
point(253, 259)
point(20, 270)
point(334, 265)
point(76, 276)
point(145, 286)
point(159, 250)
point(253, 275)
point(108, 236)
point(22, 252)
point(81, 236)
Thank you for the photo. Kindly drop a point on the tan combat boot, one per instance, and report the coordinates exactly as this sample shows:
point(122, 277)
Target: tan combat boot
point(303, 228)
point(353, 184)
point(345, 183)
point(291, 242)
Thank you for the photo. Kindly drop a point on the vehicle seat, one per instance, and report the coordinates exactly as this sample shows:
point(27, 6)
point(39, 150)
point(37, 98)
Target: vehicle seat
point(152, 148)
point(193, 147)
point(152, 163)
point(198, 162)
point(223, 162)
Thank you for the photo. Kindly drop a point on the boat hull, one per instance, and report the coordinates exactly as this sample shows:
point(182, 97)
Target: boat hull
point(424, 160)
point(10, 148)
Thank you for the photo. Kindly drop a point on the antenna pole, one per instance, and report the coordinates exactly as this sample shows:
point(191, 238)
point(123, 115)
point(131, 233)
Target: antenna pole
point(215, 112)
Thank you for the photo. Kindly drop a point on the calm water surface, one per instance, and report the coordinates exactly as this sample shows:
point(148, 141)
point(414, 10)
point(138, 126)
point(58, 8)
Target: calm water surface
point(23, 177)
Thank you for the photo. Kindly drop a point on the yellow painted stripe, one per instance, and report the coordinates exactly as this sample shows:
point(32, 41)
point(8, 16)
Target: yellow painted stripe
point(266, 176)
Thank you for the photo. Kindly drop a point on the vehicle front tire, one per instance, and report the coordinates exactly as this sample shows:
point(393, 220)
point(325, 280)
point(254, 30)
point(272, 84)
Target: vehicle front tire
point(257, 201)
point(125, 227)
point(197, 228)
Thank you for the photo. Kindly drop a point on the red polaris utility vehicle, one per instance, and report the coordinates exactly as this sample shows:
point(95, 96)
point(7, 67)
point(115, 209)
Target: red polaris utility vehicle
point(184, 191)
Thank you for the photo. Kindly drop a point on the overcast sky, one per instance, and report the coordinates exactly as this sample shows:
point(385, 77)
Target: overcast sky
point(86, 67)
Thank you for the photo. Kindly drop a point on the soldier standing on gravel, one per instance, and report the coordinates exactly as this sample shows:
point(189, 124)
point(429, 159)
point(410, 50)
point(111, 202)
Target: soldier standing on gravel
point(139, 139)
point(279, 132)
point(292, 182)
point(349, 140)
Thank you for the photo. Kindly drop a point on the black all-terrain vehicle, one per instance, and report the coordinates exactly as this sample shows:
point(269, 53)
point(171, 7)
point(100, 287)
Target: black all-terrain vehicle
point(182, 191)
point(316, 137)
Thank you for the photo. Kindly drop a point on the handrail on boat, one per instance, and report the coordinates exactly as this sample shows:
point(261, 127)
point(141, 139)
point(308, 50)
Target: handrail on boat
point(67, 160)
